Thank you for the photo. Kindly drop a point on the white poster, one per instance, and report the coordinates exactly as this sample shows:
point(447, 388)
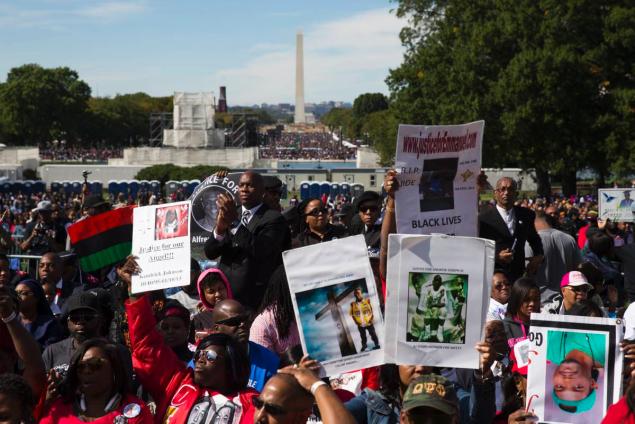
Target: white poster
point(437, 168)
point(161, 242)
point(617, 204)
point(575, 367)
point(336, 304)
point(438, 294)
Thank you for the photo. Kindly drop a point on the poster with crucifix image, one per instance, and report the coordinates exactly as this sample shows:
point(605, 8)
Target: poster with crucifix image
point(437, 299)
point(336, 304)
point(575, 367)
point(437, 168)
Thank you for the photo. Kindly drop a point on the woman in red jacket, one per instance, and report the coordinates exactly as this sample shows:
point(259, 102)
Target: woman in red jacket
point(96, 389)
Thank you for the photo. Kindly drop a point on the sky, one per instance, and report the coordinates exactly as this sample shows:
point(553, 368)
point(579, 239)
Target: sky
point(161, 46)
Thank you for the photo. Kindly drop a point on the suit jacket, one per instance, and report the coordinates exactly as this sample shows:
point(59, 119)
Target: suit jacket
point(250, 255)
point(493, 227)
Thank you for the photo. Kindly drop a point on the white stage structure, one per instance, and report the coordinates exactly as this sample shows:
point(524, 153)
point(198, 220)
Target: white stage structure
point(194, 122)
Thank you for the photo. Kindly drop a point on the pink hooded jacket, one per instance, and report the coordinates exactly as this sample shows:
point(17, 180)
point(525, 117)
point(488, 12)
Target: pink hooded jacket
point(199, 286)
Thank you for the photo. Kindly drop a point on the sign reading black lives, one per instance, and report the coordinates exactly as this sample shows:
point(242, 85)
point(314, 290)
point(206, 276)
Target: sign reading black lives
point(204, 209)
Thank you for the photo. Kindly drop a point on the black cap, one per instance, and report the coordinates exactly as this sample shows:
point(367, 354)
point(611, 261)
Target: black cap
point(93, 201)
point(89, 299)
point(272, 183)
point(367, 196)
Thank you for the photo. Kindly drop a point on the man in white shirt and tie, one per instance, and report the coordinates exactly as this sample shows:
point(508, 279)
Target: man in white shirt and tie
point(248, 240)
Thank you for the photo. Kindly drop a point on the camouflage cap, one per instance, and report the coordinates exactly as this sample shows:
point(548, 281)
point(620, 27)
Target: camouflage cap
point(432, 391)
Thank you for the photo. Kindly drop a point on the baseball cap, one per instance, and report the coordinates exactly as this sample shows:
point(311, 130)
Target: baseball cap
point(84, 300)
point(367, 196)
point(93, 201)
point(575, 406)
point(272, 183)
point(44, 205)
point(574, 279)
point(432, 391)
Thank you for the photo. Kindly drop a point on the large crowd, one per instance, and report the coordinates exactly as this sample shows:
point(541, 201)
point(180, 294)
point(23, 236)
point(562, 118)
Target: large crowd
point(78, 347)
point(306, 146)
point(65, 153)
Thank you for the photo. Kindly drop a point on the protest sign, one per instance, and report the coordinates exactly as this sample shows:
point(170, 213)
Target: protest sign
point(617, 204)
point(336, 304)
point(204, 209)
point(161, 242)
point(575, 367)
point(437, 168)
point(437, 299)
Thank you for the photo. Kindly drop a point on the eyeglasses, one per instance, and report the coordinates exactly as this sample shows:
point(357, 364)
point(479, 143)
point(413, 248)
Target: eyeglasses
point(210, 355)
point(270, 408)
point(233, 321)
point(317, 212)
point(82, 316)
point(25, 293)
point(91, 365)
point(580, 289)
point(368, 209)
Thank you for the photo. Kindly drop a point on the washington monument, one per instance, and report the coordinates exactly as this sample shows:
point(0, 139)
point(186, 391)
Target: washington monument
point(299, 117)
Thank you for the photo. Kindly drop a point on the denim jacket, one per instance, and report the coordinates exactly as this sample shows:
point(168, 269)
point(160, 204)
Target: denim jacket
point(371, 407)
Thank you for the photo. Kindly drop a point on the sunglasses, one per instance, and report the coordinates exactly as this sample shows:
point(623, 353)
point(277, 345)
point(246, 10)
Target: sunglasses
point(91, 365)
point(580, 289)
point(270, 408)
point(210, 355)
point(82, 316)
point(368, 209)
point(499, 286)
point(233, 321)
point(317, 212)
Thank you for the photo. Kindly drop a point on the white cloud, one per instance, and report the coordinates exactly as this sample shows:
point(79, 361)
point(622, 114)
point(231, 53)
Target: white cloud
point(111, 9)
point(342, 58)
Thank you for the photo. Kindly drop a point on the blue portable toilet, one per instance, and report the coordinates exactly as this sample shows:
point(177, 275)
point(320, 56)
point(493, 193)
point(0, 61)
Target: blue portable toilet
point(27, 186)
point(345, 189)
point(192, 186)
point(155, 187)
point(96, 187)
point(305, 190)
point(124, 187)
point(113, 188)
point(5, 187)
point(185, 186)
point(171, 187)
point(76, 187)
point(335, 189)
point(39, 186)
point(133, 186)
point(55, 186)
point(325, 188)
point(67, 187)
point(357, 190)
point(314, 189)
point(144, 186)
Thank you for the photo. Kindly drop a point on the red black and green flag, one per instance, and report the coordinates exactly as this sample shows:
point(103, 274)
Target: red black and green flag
point(103, 239)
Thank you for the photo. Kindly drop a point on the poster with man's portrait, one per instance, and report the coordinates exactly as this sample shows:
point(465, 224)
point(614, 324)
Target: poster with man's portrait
point(575, 367)
point(336, 304)
point(171, 221)
point(437, 299)
point(617, 204)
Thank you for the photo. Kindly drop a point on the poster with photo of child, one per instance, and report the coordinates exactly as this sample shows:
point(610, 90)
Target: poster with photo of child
point(575, 367)
point(336, 304)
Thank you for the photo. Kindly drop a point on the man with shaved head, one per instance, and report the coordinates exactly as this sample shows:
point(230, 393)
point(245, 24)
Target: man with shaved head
point(231, 318)
point(288, 397)
point(510, 226)
point(248, 240)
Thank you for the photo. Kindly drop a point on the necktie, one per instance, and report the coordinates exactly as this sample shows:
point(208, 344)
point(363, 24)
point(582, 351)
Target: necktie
point(245, 218)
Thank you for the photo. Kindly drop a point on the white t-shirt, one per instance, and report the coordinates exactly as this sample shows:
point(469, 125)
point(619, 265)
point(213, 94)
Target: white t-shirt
point(629, 322)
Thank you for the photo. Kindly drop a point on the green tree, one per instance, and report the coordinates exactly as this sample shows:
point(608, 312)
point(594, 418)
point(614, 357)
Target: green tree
point(367, 103)
point(552, 80)
point(40, 104)
point(167, 172)
point(339, 118)
point(381, 130)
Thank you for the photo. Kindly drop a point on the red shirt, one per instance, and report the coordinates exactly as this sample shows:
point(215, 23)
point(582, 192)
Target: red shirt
point(619, 413)
point(130, 407)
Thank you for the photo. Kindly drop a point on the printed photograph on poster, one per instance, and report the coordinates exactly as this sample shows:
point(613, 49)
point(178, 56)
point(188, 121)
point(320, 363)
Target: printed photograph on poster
point(437, 304)
point(343, 310)
point(171, 221)
point(437, 168)
point(436, 307)
point(161, 243)
point(617, 204)
point(576, 363)
point(336, 304)
point(436, 187)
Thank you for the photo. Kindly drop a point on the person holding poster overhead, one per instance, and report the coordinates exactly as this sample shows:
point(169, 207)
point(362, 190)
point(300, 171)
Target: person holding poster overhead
point(510, 227)
point(248, 240)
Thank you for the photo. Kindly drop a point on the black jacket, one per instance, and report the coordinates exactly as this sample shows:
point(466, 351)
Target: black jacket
point(492, 227)
point(249, 257)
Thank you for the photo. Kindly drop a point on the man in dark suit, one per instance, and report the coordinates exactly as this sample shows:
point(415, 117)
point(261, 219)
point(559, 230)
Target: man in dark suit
point(248, 240)
point(510, 227)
